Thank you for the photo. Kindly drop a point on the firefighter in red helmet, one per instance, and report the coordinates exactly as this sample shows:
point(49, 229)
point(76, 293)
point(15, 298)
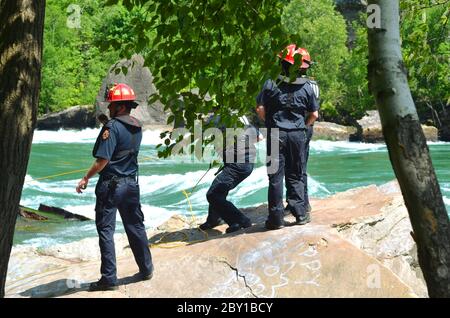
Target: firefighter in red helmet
point(289, 109)
point(292, 50)
point(305, 63)
point(116, 151)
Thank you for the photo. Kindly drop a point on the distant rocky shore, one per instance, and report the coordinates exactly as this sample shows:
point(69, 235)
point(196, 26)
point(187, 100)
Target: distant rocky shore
point(359, 244)
point(368, 130)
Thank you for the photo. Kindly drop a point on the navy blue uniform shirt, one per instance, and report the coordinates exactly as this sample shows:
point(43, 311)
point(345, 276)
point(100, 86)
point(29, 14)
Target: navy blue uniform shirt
point(116, 144)
point(286, 104)
point(243, 148)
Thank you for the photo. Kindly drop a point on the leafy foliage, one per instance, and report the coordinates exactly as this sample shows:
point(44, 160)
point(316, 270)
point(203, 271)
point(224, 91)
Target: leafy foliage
point(73, 66)
point(426, 52)
point(356, 99)
point(214, 55)
point(220, 49)
point(318, 27)
point(116, 30)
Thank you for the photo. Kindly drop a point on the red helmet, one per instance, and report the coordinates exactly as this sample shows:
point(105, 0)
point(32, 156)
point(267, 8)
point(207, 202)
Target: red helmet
point(120, 92)
point(291, 51)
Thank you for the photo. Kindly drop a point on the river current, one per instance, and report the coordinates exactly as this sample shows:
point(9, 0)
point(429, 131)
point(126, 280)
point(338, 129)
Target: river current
point(333, 167)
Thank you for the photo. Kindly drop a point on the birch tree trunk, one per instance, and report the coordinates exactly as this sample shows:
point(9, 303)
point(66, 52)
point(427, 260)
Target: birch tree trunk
point(21, 32)
point(408, 150)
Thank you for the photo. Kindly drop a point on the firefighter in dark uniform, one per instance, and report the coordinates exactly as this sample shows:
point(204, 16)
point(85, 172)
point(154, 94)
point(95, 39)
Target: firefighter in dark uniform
point(288, 109)
point(309, 135)
point(116, 150)
point(238, 161)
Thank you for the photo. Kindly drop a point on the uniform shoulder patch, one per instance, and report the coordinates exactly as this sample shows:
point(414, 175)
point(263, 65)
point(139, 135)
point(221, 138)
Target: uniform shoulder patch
point(105, 134)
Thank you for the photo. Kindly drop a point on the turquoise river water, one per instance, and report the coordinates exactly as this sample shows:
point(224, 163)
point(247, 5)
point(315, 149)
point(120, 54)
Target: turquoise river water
point(333, 167)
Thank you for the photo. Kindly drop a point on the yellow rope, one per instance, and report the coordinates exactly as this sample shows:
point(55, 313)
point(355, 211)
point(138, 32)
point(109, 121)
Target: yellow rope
point(160, 241)
point(178, 243)
point(57, 175)
point(194, 221)
point(146, 158)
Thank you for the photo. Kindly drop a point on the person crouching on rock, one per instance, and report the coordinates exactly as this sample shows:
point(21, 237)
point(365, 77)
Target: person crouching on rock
point(116, 150)
point(238, 161)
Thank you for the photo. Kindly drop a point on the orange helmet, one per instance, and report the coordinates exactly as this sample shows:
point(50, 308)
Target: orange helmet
point(121, 92)
point(291, 51)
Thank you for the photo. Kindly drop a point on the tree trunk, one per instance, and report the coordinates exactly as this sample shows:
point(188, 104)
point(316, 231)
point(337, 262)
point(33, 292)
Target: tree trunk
point(21, 31)
point(408, 150)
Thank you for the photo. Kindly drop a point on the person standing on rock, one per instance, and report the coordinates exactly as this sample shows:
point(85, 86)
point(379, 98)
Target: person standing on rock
point(238, 162)
point(309, 133)
point(116, 151)
point(289, 109)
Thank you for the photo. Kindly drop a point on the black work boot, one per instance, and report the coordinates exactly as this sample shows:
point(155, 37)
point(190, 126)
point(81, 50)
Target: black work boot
point(272, 226)
point(308, 208)
point(287, 210)
point(302, 220)
point(274, 222)
point(143, 276)
point(237, 226)
point(101, 285)
point(208, 225)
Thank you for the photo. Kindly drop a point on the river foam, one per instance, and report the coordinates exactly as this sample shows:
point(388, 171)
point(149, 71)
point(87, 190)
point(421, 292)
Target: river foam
point(88, 135)
point(320, 146)
point(447, 201)
point(152, 137)
point(153, 216)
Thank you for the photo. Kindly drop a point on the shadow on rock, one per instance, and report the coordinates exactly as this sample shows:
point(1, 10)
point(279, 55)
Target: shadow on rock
point(65, 287)
point(184, 236)
point(57, 288)
point(195, 235)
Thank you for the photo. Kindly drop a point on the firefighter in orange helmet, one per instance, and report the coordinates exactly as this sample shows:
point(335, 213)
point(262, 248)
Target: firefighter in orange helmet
point(116, 151)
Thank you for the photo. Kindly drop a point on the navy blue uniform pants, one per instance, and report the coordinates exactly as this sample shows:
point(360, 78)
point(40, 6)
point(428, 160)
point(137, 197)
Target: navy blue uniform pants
point(219, 207)
point(290, 162)
point(309, 134)
point(123, 196)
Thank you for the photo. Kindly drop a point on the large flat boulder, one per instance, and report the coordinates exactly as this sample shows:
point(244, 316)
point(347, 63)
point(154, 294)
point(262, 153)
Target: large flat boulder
point(372, 132)
point(77, 117)
point(140, 79)
point(332, 131)
point(387, 237)
point(333, 256)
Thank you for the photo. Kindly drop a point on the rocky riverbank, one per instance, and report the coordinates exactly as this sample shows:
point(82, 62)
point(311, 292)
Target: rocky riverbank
point(368, 130)
point(358, 245)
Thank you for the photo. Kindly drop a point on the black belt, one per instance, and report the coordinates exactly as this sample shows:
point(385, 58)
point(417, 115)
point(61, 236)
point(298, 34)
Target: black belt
point(291, 129)
point(117, 178)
